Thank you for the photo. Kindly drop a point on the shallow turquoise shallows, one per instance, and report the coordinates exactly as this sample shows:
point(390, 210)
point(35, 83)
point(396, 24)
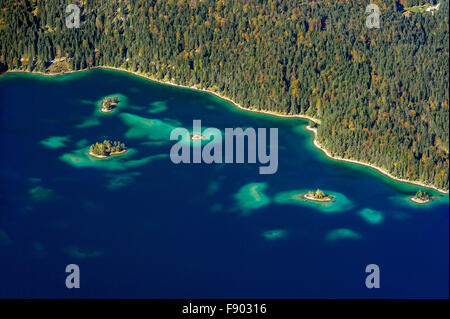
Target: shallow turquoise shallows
point(140, 226)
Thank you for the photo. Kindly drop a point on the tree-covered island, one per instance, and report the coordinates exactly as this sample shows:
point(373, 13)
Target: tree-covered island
point(318, 196)
point(107, 148)
point(421, 197)
point(109, 103)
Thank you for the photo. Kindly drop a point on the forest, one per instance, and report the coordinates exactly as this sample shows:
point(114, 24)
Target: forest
point(381, 94)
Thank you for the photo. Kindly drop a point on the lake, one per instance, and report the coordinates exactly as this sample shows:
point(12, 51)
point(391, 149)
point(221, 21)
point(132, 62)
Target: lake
point(140, 226)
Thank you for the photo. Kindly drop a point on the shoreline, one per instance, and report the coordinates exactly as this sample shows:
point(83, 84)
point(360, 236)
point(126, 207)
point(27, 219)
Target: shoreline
point(106, 156)
point(419, 201)
point(379, 169)
point(106, 111)
point(238, 106)
point(313, 199)
point(192, 87)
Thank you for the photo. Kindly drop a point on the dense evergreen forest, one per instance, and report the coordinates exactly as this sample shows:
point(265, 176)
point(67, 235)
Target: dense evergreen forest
point(381, 94)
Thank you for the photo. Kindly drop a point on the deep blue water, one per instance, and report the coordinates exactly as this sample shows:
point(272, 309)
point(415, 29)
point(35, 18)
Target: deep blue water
point(143, 227)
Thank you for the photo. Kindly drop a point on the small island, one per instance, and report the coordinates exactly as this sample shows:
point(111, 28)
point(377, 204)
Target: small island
point(318, 196)
point(196, 137)
point(109, 103)
point(421, 197)
point(106, 149)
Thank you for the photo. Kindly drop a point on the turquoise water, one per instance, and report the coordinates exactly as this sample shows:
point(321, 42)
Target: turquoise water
point(140, 226)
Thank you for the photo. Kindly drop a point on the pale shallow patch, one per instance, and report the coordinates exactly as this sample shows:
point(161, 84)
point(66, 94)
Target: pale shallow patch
point(89, 122)
point(117, 181)
point(39, 250)
point(216, 208)
point(79, 253)
point(82, 143)
point(251, 197)
point(371, 216)
point(295, 197)
point(4, 238)
point(342, 233)
point(154, 143)
point(27, 209)
point(158, 106)
point(214, 186)
point(84, 101)
point(147, 128)
point(399, 215)
point(81, 158)
point(145, 160)
point(34, 180)
point(40, 193)
point(274, 234)
point(55, 141)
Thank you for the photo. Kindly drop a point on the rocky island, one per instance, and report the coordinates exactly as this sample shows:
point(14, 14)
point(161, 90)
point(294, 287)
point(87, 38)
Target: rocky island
point(107, 149)
point(109, 103)
point(318, 196)
point(196, 137)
